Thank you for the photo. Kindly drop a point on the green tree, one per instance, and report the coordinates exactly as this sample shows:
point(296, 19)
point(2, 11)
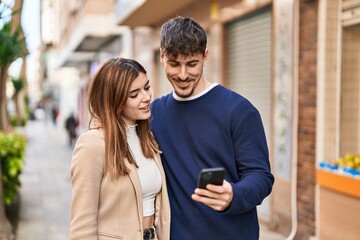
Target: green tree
point(12, 46)
point(18, 84)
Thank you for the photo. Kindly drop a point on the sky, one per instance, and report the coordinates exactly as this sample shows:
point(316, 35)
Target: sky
point(30, 21)
point(31, 25)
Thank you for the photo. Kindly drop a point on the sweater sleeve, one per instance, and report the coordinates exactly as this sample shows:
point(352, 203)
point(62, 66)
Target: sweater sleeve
point(86, 175)
point(253, 166)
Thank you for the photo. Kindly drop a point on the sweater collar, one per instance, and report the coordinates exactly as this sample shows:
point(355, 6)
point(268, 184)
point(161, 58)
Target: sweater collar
point(197, 95)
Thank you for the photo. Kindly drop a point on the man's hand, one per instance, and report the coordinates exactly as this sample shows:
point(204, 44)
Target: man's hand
point(216, 197)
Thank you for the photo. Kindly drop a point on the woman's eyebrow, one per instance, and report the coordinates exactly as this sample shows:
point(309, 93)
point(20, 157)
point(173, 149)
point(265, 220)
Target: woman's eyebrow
point(137, 89)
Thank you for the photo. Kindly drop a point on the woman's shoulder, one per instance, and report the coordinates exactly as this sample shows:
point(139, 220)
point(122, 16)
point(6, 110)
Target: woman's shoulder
point(89, 146)
point(92, 134)
point(92, 138)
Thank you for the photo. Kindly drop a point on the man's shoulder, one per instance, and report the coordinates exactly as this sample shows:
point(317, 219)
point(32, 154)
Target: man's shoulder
point(228, 94)
point(237, 100)
point(160, 101)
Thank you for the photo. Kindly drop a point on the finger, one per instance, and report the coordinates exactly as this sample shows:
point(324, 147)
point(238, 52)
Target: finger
point(215, 204)
point(206, 200)
point(215, 188)
point(222, 200)
point(206, 193)
point(225, 191)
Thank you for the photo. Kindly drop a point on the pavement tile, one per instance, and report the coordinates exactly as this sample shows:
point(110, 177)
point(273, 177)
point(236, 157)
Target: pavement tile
point(46, 187)
point(45, 193)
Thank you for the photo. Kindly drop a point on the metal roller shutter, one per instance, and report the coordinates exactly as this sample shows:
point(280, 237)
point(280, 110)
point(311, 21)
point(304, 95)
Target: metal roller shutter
point(249, 60)
point(249, 67)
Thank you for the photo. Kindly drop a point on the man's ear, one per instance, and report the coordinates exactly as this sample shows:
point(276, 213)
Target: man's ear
point(206, 54)
point(161, 57)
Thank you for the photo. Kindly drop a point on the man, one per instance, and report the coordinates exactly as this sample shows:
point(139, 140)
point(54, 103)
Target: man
point(71, 123)
point(202, 125)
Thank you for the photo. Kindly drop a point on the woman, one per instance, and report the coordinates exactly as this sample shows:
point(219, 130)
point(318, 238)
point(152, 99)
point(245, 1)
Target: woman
point(118, 182)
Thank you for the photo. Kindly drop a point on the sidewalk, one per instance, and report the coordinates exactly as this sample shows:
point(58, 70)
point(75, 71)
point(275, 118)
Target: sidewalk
point(46, 187)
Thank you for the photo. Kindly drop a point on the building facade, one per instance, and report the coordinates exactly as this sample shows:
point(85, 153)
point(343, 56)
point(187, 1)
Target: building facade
point(297, 61)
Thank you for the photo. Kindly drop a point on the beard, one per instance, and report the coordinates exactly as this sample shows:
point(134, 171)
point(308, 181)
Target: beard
point(189, 90)
point(186, 92)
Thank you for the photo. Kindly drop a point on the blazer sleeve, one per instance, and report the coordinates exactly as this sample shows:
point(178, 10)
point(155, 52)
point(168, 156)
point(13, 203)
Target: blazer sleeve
point(87, 168)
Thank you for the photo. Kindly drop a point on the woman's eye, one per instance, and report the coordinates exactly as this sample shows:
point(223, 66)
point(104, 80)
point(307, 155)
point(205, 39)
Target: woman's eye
point(133, 96)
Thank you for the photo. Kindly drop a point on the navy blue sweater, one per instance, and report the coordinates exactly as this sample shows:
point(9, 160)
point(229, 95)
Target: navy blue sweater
point(218, 129)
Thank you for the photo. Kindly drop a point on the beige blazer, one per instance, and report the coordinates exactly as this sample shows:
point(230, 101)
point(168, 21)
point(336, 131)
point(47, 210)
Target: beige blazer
point(103, 209)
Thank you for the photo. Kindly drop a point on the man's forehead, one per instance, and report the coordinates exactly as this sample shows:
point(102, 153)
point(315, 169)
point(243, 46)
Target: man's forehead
point(185, 58)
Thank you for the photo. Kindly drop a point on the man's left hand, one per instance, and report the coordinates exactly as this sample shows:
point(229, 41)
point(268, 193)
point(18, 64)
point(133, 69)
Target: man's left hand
point(216, 197)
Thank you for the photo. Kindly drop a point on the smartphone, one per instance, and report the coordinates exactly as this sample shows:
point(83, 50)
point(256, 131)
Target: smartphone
point(213, 176)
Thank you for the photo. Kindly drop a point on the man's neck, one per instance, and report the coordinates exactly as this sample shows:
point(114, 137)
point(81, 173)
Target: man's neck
point(203, 92)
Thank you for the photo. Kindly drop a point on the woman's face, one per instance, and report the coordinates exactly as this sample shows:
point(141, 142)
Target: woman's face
point(137, 106)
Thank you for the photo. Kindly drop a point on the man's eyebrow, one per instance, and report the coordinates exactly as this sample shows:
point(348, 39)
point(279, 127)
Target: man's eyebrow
point(192, 61)
point(137, 89)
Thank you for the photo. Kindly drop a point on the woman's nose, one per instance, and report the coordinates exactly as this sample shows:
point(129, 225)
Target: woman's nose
point(147, 96)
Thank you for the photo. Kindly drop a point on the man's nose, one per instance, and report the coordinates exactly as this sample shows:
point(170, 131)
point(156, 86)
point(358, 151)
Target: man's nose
point(183, 74)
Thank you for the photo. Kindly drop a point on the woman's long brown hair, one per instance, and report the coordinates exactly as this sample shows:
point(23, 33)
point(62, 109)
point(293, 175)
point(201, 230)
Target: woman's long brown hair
point(108, 93)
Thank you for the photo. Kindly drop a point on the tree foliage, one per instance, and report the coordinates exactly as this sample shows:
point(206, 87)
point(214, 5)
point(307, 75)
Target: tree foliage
point(12, 45)
point(18, 83)
point(12, 152)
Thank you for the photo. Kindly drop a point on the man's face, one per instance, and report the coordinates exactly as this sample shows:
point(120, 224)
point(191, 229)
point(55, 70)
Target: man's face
point(185, 73)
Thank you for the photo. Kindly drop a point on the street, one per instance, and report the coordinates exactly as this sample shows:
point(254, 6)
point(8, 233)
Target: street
point(46, 188)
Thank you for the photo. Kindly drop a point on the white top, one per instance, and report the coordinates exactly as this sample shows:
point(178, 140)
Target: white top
point(148, 172)
point(212, 85)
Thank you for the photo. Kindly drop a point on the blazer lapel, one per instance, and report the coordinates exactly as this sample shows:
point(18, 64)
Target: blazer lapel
point(135, 180)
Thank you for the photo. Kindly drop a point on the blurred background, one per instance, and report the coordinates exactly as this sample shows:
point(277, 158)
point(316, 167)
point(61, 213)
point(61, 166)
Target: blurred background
point(297, 61)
